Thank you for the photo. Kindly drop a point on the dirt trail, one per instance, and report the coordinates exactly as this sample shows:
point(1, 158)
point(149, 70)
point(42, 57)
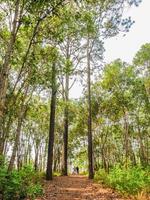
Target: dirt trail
point(77, 188)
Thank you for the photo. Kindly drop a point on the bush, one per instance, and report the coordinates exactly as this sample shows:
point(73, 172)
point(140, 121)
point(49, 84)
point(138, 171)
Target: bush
point(101, 176)
point(56, 174)
point(85, 173)
point(131, 181)
point(19, 184)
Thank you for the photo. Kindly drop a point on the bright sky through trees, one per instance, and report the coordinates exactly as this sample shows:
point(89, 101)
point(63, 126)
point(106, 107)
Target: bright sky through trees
point(74, 99)
point(125, 47)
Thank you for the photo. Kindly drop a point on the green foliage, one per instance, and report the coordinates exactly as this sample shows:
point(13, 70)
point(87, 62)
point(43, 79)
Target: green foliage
point(130, 181)
point(142, 57)
point(56, 174)
point(101, 176)
point(62, 25)
point(34, 190)
point(19, 184)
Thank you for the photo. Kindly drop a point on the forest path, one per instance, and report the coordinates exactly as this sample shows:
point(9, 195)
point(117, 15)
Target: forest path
point(77, 188)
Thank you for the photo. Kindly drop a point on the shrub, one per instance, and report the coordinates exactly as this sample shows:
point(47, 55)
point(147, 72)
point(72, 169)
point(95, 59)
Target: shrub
point(101, 176)
point(56, 174)
point(19, 184)
point(130, 181)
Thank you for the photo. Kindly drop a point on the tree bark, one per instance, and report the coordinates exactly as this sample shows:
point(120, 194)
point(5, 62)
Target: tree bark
point(66, 120)
point(65, 136)
point(36, 168)
point(49, 172)
point(90, 142)
point(143, 158)
point(23, 109)
point(126, 138)
point(17, 138)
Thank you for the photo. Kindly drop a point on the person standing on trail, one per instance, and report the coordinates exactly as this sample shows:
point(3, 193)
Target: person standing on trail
point(77, 170)
point(74, 170)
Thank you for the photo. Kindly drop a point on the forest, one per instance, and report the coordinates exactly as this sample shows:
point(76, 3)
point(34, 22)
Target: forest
point(47, 48)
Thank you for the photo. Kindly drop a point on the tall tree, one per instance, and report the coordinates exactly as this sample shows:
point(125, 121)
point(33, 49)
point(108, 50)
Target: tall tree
point(49, 170)
point(90, 142)
point(66, 120)
point(23, 11)
point(6, 66)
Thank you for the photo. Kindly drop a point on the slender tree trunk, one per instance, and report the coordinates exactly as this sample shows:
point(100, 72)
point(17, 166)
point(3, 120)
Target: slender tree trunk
point(66, 125)
point(55, 162)
point(36, 159)
point(49, 172)
point(45, 155)
point(41, 158)
point(65, 135)
point(28, 151)
point(59, 158)
point(147, 150)
point(6, 130)
point(132, 155)
point(90, 142)
point(21, 117)
point(126, 139)
point(17, 138)
point(142, 149)
point(18, 159)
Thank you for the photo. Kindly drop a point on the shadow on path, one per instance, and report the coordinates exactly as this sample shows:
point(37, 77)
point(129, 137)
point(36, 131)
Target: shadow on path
point(77, 188)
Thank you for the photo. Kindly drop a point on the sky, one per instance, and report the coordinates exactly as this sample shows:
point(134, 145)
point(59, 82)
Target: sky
point(126, 47)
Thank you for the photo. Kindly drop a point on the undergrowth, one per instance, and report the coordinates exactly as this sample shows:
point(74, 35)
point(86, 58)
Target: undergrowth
point(17, 185)
point(133, 180)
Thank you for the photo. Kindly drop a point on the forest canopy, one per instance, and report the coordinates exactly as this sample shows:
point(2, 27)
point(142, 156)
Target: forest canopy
point(46, 48)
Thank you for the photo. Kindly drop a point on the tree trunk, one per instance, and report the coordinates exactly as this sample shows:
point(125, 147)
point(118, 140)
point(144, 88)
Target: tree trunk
point(132, 155)
point(36, 159)
point(17, 138)
point(21, 117)
point(143, 158)
point(126, 139)
point(65, 136)
point(66, 125)
point(45, 155)
point(147, 149)
point(90, 142)
point(49, 174)
point(19, 160)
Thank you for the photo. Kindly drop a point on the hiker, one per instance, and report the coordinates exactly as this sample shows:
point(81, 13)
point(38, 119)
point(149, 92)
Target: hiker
point(77, 170)
point(74, 170)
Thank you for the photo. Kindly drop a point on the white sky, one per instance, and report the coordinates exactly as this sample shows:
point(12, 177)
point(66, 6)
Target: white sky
point(126, 47)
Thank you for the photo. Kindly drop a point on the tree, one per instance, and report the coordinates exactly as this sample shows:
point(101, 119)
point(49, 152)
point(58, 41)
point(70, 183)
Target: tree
point(49, 172)
point(21, 8)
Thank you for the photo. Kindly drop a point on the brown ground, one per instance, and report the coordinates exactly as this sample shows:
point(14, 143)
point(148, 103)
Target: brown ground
point(77, 188)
